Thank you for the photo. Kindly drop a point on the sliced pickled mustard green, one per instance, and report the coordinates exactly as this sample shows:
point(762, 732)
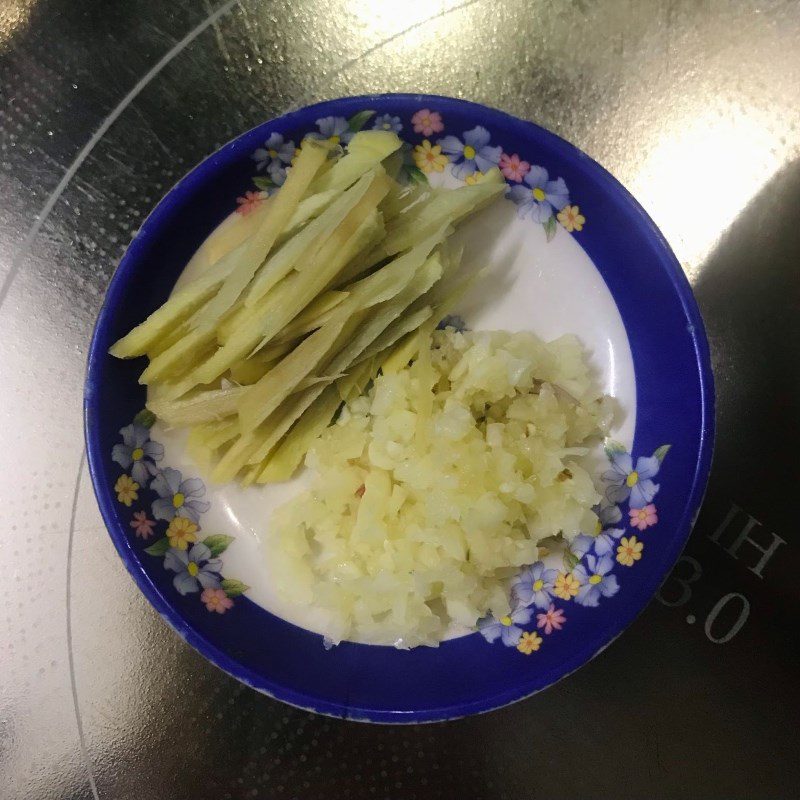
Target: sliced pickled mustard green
point(395, 332)
point(304, 246)
point(202, 407)
point(429, 214)
point(282, 464)
point(180, 306)
point(365, 151)
point(402, 354)
point(313, 316)
point(298, 290)
point(261, 399)
point(253, 447)
point(282, 206)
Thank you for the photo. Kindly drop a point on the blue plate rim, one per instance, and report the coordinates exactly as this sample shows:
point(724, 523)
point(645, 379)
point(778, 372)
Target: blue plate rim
point(305, 117)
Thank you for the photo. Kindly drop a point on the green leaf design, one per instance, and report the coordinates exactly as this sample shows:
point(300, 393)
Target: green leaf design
point(570, 560)
point(158, 548)
point(234, 587)
point(263, 182)
point(145, 418)
point(357, 121)
point(415, 174)
point(550, 228)
point(612, 448)
point(218, 543)
point(662, 451)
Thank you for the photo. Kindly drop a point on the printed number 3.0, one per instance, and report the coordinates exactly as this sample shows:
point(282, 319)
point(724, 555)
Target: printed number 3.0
point(744, 613)
point(676, 591)
point(682, 583)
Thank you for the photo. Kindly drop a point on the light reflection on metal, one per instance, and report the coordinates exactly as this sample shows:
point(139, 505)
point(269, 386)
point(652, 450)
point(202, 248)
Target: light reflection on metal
point(14, 15)
point(700, 175)
point(383, 18)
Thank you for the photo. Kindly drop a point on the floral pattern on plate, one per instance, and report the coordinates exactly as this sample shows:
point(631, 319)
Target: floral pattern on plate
point(540, 197)
point(588, 577)
point(177, 507)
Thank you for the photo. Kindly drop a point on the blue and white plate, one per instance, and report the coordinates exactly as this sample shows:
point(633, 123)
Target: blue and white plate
point(570, 251)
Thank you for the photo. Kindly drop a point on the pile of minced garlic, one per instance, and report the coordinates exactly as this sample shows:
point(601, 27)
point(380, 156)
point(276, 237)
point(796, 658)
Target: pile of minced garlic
point(434, 488)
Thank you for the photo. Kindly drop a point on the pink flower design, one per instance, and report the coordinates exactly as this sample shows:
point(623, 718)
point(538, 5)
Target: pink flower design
point(552, 620)
point(642, 518)
point(513, 167)
point(427, 122)
point(250, 202)
point(216, 600)
point(141, 525)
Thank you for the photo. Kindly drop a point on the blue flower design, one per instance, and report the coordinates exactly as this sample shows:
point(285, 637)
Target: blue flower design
point(506, 628)
point(193, 568)
point(627, 483)
point(178, 497)
point(595, 580)
point(581, 545)
point(606, 535)
point(607, 516)
point(452, 321)
point(387, 122)
point(138, 450)
point(275, 156)
point(534, 585)
point(335, 128)
point(541, 197)
point(471, 155)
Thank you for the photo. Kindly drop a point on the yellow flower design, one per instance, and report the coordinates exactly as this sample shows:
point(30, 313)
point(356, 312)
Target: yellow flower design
point(429, 158)
point(529, 642)
point(629, 550)
point(126, 489)
point(571, 218)
point(474, 178)
point(181, 532)
point(566, 586)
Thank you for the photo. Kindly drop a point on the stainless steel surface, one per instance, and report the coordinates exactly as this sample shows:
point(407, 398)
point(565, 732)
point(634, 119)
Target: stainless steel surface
point(693, 105)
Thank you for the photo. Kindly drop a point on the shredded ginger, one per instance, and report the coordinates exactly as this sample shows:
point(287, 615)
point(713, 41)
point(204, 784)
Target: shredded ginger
point(434, 488)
